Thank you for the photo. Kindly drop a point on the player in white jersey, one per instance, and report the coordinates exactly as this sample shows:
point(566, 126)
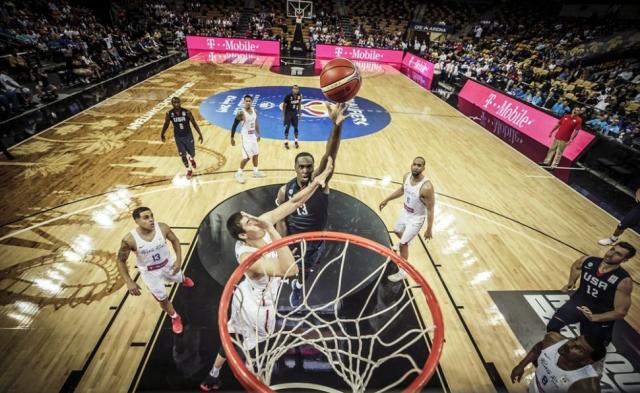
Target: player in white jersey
point(253, 307)
point(247, 118)
point(419, 202)
point(154, 260)
point(563, 365)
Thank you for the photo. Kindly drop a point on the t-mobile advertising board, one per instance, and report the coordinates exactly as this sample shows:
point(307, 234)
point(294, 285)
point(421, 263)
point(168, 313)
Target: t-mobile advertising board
point(520, 125)
point(417, 69)
point(358, 53)
point(198, 44)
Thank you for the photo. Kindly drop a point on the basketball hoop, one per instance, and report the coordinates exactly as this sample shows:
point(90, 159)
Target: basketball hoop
point(305, 325)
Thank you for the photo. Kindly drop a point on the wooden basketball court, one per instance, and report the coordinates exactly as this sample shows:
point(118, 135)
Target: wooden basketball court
point(502, 224)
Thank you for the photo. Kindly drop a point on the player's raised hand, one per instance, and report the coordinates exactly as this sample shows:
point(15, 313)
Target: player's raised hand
point(321, 179)
point(337, 112)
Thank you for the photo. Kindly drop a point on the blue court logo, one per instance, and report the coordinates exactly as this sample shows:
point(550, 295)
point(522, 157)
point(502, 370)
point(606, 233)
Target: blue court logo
point(366, 117)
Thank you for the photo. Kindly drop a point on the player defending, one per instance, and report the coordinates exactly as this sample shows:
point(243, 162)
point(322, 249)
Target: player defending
point(155, 263)
point(603, 297)
point(291, 107)
point(419, 201)
point(181, 119)
point(247, 118)
point(255, 299)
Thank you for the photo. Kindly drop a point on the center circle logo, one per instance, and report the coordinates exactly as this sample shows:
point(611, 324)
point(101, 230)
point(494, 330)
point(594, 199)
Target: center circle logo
point(365, 117)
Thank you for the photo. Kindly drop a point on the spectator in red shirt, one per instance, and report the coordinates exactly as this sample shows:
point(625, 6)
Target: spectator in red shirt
point(567, 128)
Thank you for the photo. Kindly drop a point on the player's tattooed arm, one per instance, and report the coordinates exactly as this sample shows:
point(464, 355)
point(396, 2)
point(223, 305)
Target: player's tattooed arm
point(195, 125)
point(175, 243)
point(123, 255)
point(167, 119)
point(236, 121)
point(394, 195)
point(281, 226)
point(574, 274)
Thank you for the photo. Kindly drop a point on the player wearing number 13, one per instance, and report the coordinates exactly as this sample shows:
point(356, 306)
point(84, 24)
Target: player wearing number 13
point(603, 297)
point(154, 261)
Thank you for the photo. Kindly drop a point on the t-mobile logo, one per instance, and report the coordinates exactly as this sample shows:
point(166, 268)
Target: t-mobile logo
point(339, 51)
point(489, 100)
point(210, 43)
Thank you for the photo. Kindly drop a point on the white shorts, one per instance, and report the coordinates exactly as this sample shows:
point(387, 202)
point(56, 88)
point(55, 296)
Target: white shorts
point(409, 225)
point(251, 317)
point(249, 147)
point(155, 280)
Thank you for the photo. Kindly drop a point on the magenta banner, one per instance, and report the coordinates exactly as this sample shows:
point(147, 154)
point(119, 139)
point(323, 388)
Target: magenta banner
point(198, 44)
point(516, 123)
point(418, 69)
point(358, 53)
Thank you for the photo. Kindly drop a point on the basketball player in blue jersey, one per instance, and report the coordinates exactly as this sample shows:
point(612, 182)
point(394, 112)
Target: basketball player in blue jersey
point(247, 118)
point(312, 215)
point(291, 106)
point(603, 297)
point(181, 119)
point(419, 203)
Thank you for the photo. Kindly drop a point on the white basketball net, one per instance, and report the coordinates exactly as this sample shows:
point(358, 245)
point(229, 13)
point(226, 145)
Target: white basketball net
point(351, 356)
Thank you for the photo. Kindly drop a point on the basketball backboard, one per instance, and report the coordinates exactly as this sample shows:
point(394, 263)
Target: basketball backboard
point(300, 8)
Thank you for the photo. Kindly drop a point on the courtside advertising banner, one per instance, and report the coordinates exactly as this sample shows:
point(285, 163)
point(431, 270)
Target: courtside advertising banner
point(198, 44)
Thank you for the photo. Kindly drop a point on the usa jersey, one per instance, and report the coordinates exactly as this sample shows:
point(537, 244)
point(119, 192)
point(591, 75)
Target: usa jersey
point(597, 291)
point(180, 120)
point(312, 215)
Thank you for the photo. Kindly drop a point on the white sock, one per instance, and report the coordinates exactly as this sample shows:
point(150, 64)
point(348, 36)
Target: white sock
point(239, 171)
point(614, 238)
point(215, 371)
point(255, 169)
point(296, 139)
point(174, 316)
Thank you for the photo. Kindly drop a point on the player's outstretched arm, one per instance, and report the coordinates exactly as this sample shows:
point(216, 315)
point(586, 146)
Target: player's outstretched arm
point(337, 115)
point(288, 207)
point(123, 255)
point(281, 226)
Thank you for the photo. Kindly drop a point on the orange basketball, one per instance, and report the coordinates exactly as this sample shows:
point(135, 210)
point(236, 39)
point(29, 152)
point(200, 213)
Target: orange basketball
point(340, 80)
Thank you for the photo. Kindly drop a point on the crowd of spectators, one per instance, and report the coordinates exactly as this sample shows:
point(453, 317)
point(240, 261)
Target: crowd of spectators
point(550, 64)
